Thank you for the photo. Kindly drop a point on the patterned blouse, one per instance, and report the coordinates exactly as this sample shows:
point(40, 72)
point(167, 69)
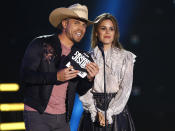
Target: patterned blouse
point(119, 77)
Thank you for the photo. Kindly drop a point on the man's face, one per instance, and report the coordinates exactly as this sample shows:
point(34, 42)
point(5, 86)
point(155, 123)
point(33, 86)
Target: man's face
point(75, 29)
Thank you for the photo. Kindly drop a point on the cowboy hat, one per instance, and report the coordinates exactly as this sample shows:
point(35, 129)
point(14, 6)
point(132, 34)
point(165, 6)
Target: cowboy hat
point(76, 11)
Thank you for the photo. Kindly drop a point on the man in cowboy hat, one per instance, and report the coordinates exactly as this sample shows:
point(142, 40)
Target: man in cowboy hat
point(49, 86)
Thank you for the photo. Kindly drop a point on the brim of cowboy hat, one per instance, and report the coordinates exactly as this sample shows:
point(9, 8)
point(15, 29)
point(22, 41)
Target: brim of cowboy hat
point(59, 14)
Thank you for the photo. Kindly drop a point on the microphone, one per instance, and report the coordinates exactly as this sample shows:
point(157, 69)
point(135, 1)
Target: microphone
point(101, 47)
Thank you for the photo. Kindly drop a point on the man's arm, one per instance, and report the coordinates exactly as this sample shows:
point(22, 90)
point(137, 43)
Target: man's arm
point(30, 66)
point(84, 85)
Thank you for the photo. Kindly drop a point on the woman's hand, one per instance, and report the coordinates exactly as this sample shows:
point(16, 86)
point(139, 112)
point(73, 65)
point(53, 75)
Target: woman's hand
point(101, 119)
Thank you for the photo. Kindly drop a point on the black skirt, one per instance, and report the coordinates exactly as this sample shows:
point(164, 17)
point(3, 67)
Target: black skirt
point(121, 122)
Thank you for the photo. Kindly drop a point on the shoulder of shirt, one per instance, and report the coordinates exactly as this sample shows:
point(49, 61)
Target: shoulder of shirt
point(122, 51)
point(44, 38)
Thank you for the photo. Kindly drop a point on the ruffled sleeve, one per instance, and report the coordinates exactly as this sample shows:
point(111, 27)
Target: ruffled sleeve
point(88, 104)
point(118, 103)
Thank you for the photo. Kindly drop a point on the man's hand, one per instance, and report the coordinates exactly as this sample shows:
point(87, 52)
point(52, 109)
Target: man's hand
point(92, 69)
point(67, 74)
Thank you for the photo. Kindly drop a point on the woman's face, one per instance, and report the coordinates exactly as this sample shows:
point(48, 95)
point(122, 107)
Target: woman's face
point(106, 32)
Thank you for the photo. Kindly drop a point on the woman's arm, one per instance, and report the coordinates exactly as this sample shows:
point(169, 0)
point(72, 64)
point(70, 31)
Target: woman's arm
point(118, 103)
point(88, 104)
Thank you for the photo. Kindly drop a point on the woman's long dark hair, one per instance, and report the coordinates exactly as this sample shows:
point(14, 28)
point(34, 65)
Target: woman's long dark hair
point(97, 22)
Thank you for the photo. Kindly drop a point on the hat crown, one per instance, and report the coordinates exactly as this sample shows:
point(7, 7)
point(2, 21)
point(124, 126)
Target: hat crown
point(73, 11)
point(80, 10)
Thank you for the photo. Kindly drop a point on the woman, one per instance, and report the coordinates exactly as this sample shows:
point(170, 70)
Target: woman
point(119, 77)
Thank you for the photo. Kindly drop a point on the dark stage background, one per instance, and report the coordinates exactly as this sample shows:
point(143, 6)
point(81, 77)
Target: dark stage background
point(147, 29)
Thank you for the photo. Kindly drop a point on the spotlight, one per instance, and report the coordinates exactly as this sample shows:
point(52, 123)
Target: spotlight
point(135, 39)
point(12, 126)
point(12, 107)
point(9, 87)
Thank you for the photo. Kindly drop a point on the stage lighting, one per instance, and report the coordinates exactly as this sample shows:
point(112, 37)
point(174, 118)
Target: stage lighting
point(12, 126)
point(12, 107)
point(9, 87)
point(135, 39)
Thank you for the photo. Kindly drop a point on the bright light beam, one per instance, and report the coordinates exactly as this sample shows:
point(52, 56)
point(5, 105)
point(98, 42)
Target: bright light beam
point(12, 107)
point(12, 126)
point(5, 87)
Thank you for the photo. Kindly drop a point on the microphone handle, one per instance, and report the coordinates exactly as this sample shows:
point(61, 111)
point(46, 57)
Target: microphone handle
point(102, 51)
point(105, 90)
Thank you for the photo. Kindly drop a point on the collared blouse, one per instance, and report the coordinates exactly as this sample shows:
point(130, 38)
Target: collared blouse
point(119, 65)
